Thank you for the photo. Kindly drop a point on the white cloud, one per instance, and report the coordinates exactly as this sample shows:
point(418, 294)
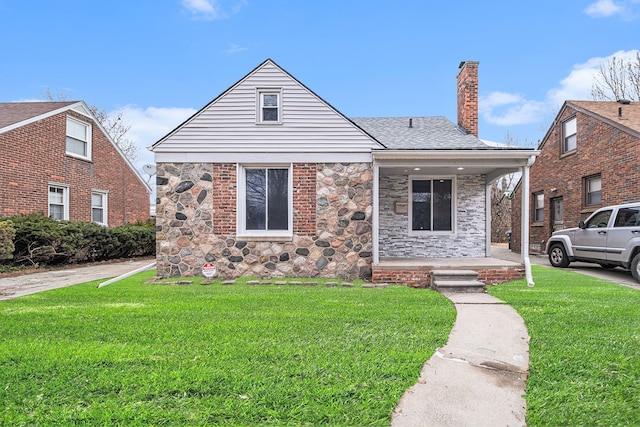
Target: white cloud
point(234, 48)
point(213, 9)
point(508, 109)
point(608, 8)
point(603, 8)
point(149, 125)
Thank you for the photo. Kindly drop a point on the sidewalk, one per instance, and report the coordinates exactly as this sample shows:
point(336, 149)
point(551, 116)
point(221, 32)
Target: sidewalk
point(14, 287)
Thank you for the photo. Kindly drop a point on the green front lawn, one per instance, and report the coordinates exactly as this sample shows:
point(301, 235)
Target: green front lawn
point(149, 354)
point(584, 349)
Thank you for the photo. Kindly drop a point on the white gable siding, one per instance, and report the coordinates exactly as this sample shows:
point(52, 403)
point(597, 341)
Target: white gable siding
point(228, 125)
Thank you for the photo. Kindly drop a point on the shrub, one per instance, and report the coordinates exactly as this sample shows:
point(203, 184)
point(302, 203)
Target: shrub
point(7, 234)
point(42, 240)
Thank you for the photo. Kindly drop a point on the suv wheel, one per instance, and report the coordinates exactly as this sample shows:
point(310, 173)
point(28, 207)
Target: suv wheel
point(635, 267)
point(558, 256)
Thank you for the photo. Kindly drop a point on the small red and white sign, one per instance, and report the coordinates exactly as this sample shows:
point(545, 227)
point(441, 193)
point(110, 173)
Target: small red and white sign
point(209, 270)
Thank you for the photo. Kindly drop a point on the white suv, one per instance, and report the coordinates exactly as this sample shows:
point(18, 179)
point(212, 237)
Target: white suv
point(609, 237)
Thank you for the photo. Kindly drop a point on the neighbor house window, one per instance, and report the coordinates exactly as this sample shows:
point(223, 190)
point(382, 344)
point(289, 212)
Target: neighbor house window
point(58, 201)
point(538, 207)
point(265, 201)
point(99, 207)
point(431, 205)
point(593, 190)
point(78, 138)
point(269, 106)
point(569, 135)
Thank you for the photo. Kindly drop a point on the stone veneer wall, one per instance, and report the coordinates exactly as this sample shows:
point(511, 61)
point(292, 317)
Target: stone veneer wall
point(468, 240)
point(332, 223)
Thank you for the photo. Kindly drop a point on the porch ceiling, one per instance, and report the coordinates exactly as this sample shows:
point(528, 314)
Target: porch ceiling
point(492, 163)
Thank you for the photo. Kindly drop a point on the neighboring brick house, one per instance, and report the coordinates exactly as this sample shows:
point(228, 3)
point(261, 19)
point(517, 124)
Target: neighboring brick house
point(59, 161)
point(270, 180)
point(589, 157)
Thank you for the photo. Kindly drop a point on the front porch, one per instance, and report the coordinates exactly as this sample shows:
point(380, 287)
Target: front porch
point(416, 272)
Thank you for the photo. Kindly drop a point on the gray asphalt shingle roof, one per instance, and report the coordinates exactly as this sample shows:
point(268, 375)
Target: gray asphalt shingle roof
point(426, 133)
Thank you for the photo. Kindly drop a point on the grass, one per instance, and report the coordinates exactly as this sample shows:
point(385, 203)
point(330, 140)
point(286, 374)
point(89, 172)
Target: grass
point(584, 349)
point(150, 354)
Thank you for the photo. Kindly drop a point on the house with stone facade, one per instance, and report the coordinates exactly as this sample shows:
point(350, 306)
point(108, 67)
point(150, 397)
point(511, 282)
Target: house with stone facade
point(589, 158)
point(270, 180)
point(58, 160)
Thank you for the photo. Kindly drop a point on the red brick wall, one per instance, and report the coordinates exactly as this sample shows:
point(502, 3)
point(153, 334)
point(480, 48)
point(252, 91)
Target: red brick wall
point(468, 97)
point(224, 200)
point(34, 155)
point(304, 199)
point(421, 278)
point(601, 149)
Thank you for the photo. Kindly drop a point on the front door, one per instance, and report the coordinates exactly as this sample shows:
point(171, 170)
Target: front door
point(557, 214)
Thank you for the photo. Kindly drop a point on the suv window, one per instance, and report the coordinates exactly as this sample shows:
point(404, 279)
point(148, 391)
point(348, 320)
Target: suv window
point(599, 220)
point(628, 217)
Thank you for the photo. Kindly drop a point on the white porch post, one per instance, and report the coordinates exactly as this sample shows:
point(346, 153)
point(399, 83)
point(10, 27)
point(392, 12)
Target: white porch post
point(375, 214)
point(524, 224)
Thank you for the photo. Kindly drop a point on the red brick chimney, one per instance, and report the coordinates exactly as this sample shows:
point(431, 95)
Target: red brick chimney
point(468, 96)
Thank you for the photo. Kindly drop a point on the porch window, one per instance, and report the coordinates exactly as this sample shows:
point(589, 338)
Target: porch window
point(432, 205)
point(265, 201)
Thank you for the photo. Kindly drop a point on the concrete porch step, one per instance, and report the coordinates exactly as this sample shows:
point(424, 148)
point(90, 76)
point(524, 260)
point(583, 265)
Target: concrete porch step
point(456, 281)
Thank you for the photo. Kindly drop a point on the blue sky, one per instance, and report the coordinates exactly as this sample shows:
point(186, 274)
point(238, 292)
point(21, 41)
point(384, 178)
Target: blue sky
point(159, 61)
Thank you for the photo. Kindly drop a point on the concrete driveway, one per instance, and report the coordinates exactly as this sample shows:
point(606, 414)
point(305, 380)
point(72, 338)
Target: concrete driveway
point(617, 275)
point(14, 287)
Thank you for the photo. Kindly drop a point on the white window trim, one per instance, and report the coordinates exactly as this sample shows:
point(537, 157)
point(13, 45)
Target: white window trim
point(65, 199)
point(88, 141)
point(454, 221)
point(105, 206)
point(241, 231)
point(268, 91)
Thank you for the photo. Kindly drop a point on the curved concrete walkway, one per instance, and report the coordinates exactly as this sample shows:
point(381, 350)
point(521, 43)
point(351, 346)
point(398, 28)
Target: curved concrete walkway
point(478, 378)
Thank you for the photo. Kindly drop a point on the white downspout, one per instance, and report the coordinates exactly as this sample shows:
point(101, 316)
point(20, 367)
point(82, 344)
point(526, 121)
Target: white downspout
point(524, 223)
point(375, 214)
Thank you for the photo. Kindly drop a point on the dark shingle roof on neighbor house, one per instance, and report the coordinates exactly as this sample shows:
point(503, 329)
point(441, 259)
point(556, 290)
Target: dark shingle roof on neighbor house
point(419, 133)
point(16, 112)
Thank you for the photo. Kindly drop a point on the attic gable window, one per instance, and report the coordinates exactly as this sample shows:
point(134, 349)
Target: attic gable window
point(569, 131)
point(269, 109)
point(78, 139)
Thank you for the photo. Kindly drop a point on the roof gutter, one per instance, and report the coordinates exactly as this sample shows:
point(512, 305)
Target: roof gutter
point(500, 154)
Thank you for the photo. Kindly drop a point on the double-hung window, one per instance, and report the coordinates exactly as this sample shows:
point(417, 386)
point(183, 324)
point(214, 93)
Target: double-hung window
point(99, 207)
point(265, 201)
point(593, 190)
point(78, 138)
point(569, 131)
point(269, 103)
point(58, 201)
point(431, 205)
point(538, 207)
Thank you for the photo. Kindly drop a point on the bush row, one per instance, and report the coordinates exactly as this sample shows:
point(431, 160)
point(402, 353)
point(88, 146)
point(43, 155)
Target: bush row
point(40, 240)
